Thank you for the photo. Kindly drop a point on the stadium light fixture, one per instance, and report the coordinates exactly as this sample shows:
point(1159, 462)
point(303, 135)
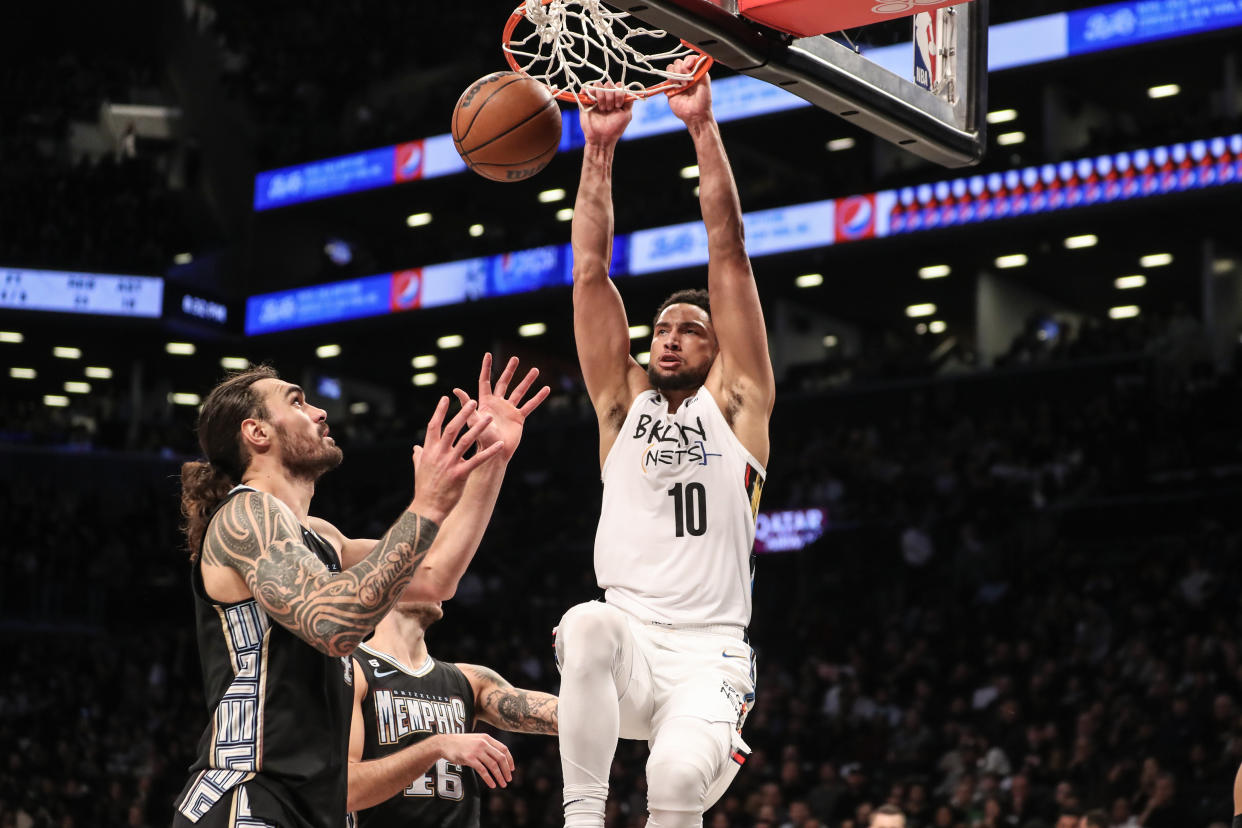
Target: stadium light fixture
point(328, 351)
point(1138, 280)
point(830, 341)
point(1123, 312)
point(55, 400)
point(424, 361)
point(644, 358)
point(924, 309)
point(565, 214)
point(448, 341)
point(841, 144)
point(11, 336)
point(934, 271)
point(1011, 261)
point(184, 398)
point(937, 327)
point(549, 196)
point(1009, 139)
point(98, 372)
point(180, 348)
point(77, 387)
point(425, 378)
point(23, 373)
point(183, 258)
point(809, 280)
point(1156, 260)
point(360, 407)
point(1081, 242)
point(234, 363)
point(64, 352)
point(418, 220)
point(532, 329)
point(1164, 90)
point(1002, 116)
point(639, 331)
point(691, 171)
point(476, 230)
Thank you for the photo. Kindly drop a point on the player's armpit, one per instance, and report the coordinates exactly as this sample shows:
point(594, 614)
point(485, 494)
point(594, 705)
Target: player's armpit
point(502, 705)
point(256, 535)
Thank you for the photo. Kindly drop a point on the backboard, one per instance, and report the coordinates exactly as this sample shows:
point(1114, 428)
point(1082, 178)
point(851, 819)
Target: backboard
point(935, 105)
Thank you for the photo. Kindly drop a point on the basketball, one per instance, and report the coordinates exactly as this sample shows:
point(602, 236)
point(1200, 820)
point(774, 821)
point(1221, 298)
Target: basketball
point(506, 126)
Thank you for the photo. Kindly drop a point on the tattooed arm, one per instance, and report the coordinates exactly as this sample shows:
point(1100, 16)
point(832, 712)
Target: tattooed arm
point(258, 536)
point(502, 705)
point(257, 539)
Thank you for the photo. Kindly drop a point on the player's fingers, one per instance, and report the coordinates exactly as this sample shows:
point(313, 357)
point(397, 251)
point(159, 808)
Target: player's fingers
point(506, 376)
point(504, 761)
point(482, 456)
point(482, 770)
point(455, 425)
point(436, 423)
point(470, 437)
point(462, 396)
point(508, 759)
point(493, 767)
point(535, 401)
point(524, 385)
point(485, 376)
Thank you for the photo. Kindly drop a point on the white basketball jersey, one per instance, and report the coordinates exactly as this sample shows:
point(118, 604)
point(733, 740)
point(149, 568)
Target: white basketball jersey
point(678, 520)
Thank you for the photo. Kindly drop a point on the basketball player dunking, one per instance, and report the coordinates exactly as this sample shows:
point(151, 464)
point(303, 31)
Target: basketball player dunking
point(683, 446)
point(283, 599)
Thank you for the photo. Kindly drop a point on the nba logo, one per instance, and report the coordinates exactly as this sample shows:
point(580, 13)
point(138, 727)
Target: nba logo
point(855, 218)
point(407, 289)
point(926, 50)
point(409, 162)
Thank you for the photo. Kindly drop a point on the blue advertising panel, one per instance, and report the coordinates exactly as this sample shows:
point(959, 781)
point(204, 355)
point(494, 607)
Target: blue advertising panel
point(1141, 21)
point(949, 203)
point(319, 305)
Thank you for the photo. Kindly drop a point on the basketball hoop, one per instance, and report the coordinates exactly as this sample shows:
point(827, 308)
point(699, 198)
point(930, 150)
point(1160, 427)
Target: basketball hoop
point(576, 47)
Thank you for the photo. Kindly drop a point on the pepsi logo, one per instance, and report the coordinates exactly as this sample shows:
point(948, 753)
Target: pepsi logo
point(409, 161)
point(856, 217)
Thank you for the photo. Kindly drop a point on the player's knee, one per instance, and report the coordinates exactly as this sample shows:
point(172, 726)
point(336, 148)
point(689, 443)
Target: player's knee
point(589, 635)
point(676, 783)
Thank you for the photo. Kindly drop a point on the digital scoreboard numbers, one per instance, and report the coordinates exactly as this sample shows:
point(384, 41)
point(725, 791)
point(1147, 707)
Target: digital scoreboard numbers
point(91, 293)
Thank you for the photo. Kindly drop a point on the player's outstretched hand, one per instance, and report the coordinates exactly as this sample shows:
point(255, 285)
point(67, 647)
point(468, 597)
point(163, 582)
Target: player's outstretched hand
point(508, 413)
point(692, 102)
point(489, 758)
point(440, 467)
point(604, 122)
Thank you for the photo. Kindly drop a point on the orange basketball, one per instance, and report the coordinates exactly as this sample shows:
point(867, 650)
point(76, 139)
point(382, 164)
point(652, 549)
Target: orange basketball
point(506, 126)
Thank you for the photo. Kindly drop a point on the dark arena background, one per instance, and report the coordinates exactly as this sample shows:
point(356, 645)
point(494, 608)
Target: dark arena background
point(998, 569)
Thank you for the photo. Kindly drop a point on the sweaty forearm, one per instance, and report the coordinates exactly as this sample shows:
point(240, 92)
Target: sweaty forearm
point(459, 536)
point(592, 228)
point(377, 780)
point(718, 199)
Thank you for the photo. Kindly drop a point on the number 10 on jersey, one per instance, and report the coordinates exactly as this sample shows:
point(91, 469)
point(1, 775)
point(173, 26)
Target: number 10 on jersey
point(689, 509)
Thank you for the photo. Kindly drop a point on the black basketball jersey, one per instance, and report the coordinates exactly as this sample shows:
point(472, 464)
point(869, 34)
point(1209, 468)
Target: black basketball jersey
point(402, 707)
point(280, 713)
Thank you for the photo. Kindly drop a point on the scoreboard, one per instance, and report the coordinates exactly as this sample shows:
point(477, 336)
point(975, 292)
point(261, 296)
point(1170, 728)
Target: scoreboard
point(91, 293)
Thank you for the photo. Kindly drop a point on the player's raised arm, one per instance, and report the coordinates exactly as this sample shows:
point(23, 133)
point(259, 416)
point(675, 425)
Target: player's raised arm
point(258, 536)
point(736, 312)
point(462, 531)
point(612, 376)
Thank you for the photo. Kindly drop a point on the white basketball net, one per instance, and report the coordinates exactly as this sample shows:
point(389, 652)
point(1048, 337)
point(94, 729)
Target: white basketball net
point(580, 46)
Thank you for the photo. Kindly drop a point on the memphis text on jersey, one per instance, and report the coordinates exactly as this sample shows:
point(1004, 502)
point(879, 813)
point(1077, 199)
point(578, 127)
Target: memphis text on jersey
point(400, 713)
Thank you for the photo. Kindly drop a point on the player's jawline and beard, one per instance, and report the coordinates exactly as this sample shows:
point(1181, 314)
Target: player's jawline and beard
point(307, 459)
point(681, 380)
